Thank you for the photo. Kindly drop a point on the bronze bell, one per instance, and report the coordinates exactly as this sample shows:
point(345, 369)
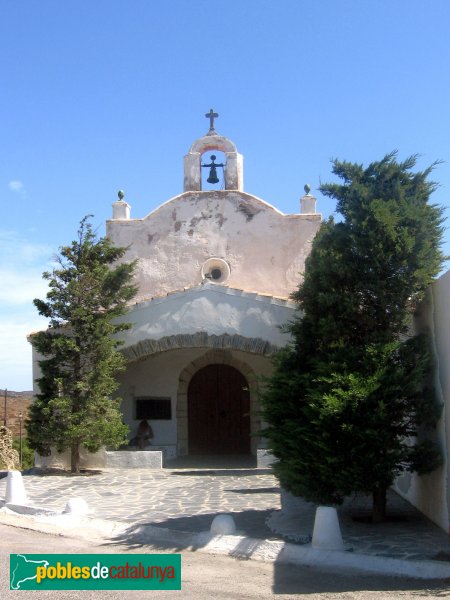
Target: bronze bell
point(213, 171)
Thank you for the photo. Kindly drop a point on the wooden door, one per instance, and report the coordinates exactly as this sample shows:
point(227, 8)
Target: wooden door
point(218, 411)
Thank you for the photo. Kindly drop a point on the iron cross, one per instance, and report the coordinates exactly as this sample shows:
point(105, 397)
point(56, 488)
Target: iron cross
point(211, 116)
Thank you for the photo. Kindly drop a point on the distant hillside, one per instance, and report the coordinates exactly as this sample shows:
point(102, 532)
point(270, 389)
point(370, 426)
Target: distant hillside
point(16, 402)
point(16, 394)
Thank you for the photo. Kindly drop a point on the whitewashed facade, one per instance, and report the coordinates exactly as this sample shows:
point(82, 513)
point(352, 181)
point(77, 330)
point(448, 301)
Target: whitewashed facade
point(215, 270)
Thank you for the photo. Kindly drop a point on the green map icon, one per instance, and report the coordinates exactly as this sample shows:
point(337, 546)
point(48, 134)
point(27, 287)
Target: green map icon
point(23, 570)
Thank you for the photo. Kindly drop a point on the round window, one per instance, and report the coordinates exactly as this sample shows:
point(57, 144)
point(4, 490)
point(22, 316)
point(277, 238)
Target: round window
point(215, 270)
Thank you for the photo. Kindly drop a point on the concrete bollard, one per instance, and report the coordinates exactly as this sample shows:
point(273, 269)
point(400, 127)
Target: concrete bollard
point(76, 506)
point(15, 490)
point(327, 533)
point(223, 525)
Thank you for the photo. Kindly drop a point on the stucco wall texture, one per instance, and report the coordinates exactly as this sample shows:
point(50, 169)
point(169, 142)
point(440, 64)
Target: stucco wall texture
point(265, 249)
point(431, 493)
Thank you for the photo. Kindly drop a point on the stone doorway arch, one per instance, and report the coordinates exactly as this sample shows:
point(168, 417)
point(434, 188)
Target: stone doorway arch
point(210, 358)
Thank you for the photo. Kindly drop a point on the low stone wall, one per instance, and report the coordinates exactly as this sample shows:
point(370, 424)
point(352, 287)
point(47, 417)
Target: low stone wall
point(61, 460)
point(152, 458)
point(103, 459)
point(134, 459)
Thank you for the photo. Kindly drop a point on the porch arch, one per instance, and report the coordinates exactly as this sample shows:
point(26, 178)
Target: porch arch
point(200, 339)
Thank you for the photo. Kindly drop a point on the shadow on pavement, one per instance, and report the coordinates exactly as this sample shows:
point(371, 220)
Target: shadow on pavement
point(271, 490)
point(222, 472)
point(250, 523)
point(215, 461)
point(304, 580)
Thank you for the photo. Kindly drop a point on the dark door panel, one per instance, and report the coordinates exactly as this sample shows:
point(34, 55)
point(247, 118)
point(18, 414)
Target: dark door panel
point(218, 411)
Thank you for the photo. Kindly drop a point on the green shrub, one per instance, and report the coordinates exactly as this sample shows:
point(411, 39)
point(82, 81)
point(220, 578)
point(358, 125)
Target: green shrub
point(27, 453)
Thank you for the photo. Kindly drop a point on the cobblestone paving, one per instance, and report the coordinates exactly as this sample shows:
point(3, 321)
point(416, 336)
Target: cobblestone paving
point(178, 499)
point(189, 499)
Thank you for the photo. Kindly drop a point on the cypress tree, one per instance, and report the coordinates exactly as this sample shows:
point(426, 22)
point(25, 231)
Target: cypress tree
point(89, 289)
point(351, 398)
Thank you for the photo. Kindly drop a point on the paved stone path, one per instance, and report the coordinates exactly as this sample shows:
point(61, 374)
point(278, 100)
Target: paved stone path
point(408, 534)
point(189, 499)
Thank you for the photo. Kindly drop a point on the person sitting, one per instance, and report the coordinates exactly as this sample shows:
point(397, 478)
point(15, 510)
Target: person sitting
point(144, 434)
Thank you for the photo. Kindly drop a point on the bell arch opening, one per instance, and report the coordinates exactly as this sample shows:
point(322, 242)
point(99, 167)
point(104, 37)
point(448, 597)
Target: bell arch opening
point(213, 170)
point(216, 145)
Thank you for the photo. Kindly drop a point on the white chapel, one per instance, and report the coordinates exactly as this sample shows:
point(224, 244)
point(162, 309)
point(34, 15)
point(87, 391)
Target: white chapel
point(215, 269)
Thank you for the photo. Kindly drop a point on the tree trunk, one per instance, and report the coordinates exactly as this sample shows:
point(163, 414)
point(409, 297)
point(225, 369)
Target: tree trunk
point(75, 457)
point(379, 504)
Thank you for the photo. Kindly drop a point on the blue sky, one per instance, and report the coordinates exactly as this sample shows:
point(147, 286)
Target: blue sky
point(98, 96)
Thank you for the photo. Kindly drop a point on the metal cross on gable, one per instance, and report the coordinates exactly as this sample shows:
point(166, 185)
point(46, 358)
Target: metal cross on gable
point(211, 116)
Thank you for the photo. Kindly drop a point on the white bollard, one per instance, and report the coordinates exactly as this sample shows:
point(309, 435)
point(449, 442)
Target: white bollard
point(327, 533)
point(15, 490)
point(76, 506)
point(223, 525)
